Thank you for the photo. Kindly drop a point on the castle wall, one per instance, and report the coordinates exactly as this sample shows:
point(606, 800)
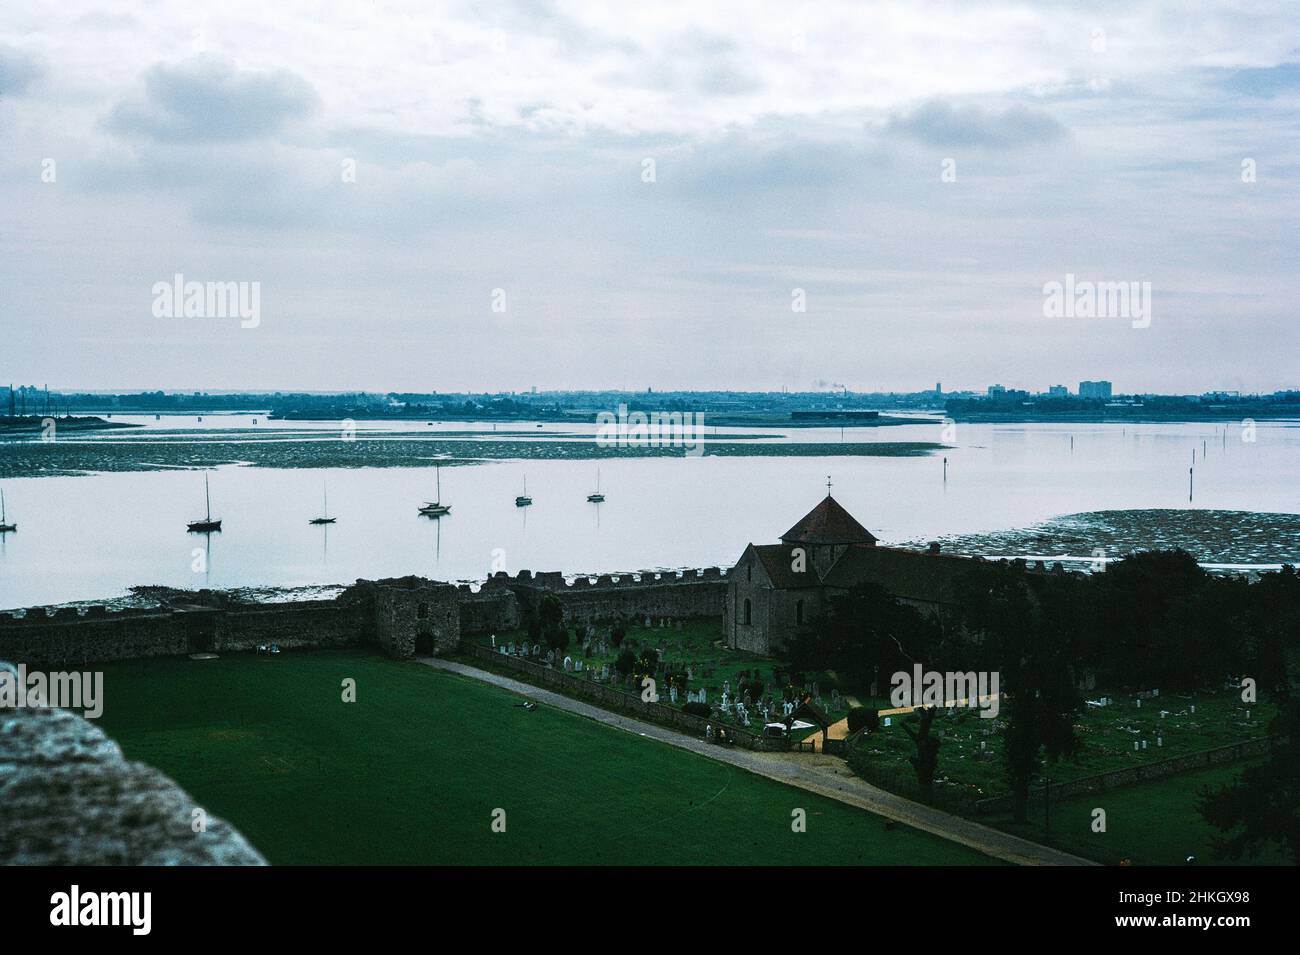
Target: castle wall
point(403, 617)
point(415, 617)
point(313, 624)
point(586, 600)
point(66, 637)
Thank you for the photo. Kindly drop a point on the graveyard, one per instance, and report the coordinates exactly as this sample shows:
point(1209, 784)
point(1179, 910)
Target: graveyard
point(413, 771)
point(1122, 733)
point(693, 666)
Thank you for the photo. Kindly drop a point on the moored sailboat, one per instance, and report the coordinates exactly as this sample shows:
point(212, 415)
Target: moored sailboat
point(207, 524)
point(325, 509)
point(5, 526)
point(523, 500)
point(436, 508)
point(597, 497)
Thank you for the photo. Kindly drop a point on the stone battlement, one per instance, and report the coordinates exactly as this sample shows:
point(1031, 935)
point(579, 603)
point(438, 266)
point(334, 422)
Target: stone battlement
point(557, 581)
point(402, 616)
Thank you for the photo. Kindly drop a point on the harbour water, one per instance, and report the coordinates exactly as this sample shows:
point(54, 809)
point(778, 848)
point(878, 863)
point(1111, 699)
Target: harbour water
point(95, 536)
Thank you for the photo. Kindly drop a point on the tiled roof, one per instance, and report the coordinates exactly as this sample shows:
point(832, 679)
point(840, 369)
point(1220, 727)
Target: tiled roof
point(778, 561)
point(910, 574)
point(828, 523)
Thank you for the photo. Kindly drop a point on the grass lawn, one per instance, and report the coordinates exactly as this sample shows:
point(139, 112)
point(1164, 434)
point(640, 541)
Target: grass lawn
point(411, 773)
point(1149, 824)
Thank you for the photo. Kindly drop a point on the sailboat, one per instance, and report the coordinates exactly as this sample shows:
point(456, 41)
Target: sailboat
point(207, 524)
point(436, 508)
point(523, 500)
point(597, 497)
point(5, 526)
point(325, 509)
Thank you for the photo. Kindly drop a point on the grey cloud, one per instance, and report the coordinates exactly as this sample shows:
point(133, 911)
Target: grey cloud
point(940, 124)
point(208, 100)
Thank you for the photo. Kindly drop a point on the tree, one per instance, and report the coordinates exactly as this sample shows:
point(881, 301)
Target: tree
point(926, 760)
point(865, 637)
point(1262, 805)
point(1025, 624)
point(625, 663)
point(557, 639)
point(551, 612)
point(861, 716)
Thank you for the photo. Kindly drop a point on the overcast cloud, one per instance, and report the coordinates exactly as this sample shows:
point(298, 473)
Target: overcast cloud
point(793, 146)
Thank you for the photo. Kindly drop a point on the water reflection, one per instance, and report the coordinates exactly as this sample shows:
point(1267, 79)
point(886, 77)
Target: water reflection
point(95, 536)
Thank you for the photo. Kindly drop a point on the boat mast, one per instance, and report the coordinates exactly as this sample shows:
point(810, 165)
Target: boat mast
point(207, 498)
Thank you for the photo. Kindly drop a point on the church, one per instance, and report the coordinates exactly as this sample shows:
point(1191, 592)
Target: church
point(775, 590)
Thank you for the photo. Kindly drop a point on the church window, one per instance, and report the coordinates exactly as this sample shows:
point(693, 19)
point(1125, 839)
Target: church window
point(748, 614)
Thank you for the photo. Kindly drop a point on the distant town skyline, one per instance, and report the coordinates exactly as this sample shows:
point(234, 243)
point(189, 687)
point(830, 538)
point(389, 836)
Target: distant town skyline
point(1075, 389)
point(688, 196)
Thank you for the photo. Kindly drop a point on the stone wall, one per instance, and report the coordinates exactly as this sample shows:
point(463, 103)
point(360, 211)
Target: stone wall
point(402, 616)
point(68, 637)
point(414, 616)
point(588, 599)
point(491, 609)
point(71, 798)
point(1140, 773)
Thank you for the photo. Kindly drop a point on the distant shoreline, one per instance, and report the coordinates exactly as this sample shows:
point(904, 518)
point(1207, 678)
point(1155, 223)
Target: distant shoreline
point(22, 424)
point(1207, 417)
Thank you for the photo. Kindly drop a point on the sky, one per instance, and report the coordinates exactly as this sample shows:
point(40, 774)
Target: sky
point(485, 197)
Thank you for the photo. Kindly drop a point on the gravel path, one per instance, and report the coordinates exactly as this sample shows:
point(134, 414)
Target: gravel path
point(825, 775)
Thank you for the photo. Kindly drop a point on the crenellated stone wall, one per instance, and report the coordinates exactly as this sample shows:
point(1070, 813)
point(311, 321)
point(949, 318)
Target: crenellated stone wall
point(402, 616)
point(589, 599)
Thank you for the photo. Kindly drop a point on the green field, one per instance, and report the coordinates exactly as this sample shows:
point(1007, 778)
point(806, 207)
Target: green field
point(1154, 823)
point(412, 771)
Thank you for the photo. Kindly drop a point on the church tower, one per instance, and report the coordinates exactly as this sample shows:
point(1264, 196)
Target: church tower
point(826, 532)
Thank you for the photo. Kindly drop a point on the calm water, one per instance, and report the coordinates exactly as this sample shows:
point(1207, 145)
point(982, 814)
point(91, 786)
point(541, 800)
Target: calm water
point(93, 537)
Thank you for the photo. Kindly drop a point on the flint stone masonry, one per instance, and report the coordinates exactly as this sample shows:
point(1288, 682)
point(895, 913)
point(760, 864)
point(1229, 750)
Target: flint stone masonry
point(414, 616)
point(404, 617)
point(69, 797)
point(595, 599)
